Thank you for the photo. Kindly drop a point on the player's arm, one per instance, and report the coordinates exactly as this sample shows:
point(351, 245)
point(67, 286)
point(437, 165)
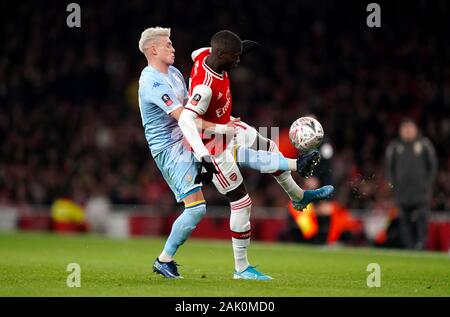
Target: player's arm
point(162, 96)
point(197, 106)
point(205, 125)
point(200, 99)
point(431, 160)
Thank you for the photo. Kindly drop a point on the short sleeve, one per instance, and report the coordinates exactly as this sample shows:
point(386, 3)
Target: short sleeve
point(161, 95)
point(199, 100)
point(196, 53)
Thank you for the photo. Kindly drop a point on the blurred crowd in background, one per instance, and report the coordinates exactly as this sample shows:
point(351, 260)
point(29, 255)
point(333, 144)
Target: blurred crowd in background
point(70, 124)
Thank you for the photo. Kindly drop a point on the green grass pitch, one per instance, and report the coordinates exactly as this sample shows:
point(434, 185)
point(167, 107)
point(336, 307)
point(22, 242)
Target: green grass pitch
point(34, 264)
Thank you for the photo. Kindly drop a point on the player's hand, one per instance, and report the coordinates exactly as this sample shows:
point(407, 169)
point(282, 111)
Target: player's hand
point(206, 177)
point(248, 46)
point(234, 120)
point(231, 127)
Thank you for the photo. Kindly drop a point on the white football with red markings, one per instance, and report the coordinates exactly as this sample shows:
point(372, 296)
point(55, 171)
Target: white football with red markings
point(306, 134)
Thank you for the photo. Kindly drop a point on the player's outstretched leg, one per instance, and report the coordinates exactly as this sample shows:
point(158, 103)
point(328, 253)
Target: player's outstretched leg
point(181, 230)
point(296, 194)
point(313, 195)
point(304, 165)
point(270, 162)
point(283, 178)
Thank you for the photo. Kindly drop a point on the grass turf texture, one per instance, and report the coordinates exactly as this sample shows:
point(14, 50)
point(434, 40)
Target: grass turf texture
point(33, 264)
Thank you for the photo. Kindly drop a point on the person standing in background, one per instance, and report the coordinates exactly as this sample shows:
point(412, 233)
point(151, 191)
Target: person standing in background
point(411, 167)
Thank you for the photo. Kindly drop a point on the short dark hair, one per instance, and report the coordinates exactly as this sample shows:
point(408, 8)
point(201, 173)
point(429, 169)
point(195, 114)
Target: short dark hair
point(227, 41)
point(408, 120)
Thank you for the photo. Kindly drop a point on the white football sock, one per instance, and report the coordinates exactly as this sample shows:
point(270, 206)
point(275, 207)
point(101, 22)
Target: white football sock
point(240, 231)
point(292, 164)
point(285, 179)
point(290, 186)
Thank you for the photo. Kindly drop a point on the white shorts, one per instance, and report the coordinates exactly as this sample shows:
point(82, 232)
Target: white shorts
point(230, 177)
point(246, 135)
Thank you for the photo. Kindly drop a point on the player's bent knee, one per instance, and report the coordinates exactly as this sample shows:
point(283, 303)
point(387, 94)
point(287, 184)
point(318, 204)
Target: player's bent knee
point(194, 197)
point(237, 193)
point(193, 215)
point(198, 212)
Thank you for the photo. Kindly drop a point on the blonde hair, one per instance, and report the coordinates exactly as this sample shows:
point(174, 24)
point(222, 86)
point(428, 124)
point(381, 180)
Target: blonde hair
point(150, 35)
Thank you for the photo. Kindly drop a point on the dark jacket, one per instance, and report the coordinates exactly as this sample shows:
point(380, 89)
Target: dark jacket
point(411, 169)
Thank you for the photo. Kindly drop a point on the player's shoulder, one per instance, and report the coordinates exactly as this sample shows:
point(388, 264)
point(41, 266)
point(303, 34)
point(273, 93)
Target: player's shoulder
point(200, 53)
point(426, 141)
point(149, 74)
point(175, 70)
point(152, 81)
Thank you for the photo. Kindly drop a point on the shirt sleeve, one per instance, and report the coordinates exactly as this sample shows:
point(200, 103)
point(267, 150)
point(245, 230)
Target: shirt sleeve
point(198, 52)
point(161, 95)
point(431, 158)
point(200, 99)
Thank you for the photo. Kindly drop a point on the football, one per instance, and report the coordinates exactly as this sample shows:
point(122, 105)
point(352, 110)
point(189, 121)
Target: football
point(306, 134)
